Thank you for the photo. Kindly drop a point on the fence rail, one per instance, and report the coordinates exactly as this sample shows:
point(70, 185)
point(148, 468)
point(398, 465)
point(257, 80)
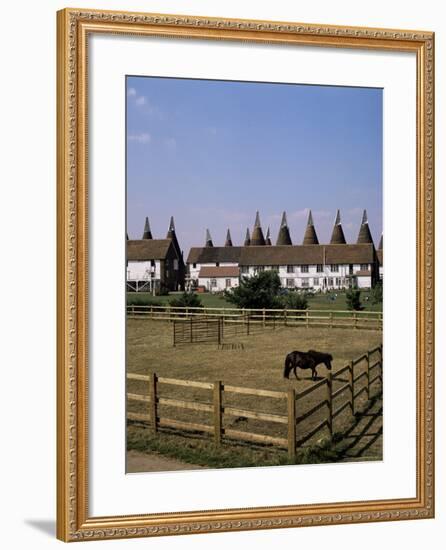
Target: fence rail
point(297, 405)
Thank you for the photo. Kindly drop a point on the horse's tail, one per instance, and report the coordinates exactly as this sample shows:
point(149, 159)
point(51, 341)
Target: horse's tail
point(288, 366)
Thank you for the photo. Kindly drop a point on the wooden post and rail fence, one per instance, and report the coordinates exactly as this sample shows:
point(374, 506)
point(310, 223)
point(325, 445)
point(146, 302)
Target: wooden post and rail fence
point(297, 412)
point(251, 318)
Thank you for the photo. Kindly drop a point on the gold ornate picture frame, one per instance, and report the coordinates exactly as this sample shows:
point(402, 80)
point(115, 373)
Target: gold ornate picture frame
point(75, 27)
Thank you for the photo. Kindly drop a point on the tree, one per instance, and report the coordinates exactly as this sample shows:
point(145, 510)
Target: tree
point(258, 292)
point(376, 293)
point(353, 298)
point(187, 299)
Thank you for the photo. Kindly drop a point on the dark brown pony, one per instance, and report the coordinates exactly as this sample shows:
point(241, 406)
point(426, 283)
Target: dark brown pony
point(306, 360)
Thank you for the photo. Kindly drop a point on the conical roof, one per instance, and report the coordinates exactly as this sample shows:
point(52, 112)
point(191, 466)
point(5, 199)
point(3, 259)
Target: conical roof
point(310, 236)
point(247, 238)
point(171, 230)
point(337, 235)
point(147, 232)
point(364, 235)
point(171, 234)
point(228, 238)
point(257, 238)
point(268, 237)
point(208, 239)
point(284, 237)
point(380, 246)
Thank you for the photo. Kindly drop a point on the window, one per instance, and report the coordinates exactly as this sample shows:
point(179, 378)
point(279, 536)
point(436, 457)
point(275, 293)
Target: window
point(305, 283)
point(316, 281)
point(319, 268)
point(194, 266)
point(228, 283)
point(213, 283)
point(244, 269)
point(334, 268)
point(364, 267)
point(338, 281)
point(259, 268)
point(290, 283)
point(330, 281)
point(175, 265)
point(304, 269)
point(290, 268)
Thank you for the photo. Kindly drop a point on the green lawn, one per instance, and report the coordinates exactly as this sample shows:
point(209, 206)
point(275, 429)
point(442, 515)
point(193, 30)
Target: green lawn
point(329, 301)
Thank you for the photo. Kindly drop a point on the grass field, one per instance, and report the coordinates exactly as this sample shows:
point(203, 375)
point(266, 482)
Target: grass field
point(329, 301)
point(258, 365)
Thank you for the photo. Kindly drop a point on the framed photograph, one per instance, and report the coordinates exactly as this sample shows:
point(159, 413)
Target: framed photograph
point(237, 348)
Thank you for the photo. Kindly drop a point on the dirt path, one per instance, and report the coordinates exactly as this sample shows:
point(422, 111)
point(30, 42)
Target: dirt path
point(153, 462)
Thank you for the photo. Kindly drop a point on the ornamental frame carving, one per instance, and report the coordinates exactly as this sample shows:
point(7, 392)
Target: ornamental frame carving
point(73, 521)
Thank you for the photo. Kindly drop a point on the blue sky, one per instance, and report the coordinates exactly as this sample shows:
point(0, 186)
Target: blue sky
point(211, 153)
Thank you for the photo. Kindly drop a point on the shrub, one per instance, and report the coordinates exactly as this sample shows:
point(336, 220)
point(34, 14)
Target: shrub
point(294, 300)
point(187, 299)
point(135, 299)
point(353, 298)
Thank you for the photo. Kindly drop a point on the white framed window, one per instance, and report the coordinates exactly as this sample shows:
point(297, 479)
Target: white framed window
point(290, 268)
point(228, 283)
point(305, 283)
point(364, 267)
point(334, 268)
point(213, 283)
point(330, 281)
point(290, 283)
point(319, 268)
point(304, 269)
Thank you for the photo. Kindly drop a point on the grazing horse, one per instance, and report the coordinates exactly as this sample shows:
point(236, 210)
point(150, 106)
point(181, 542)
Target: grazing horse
point(306, 360)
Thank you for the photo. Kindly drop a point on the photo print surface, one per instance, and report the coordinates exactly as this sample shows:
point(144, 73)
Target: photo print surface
point(254, 274)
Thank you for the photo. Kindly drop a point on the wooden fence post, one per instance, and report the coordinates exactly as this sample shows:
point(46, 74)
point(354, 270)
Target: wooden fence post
point(285, 317)
point(368, 375)
point(217, 412)
point(153, 402)
point(330, 403)
point(352, 385)
point(291, 407)
point(263, 318)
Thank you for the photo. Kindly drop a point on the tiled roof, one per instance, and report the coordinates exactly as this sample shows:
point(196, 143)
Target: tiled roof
point(225, 271)
point(148, 249)
point(285, 255)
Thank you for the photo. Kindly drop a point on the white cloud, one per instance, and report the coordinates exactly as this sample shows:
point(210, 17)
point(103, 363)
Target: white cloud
point(131, 92)
point(144, 137)
point(140, 100)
